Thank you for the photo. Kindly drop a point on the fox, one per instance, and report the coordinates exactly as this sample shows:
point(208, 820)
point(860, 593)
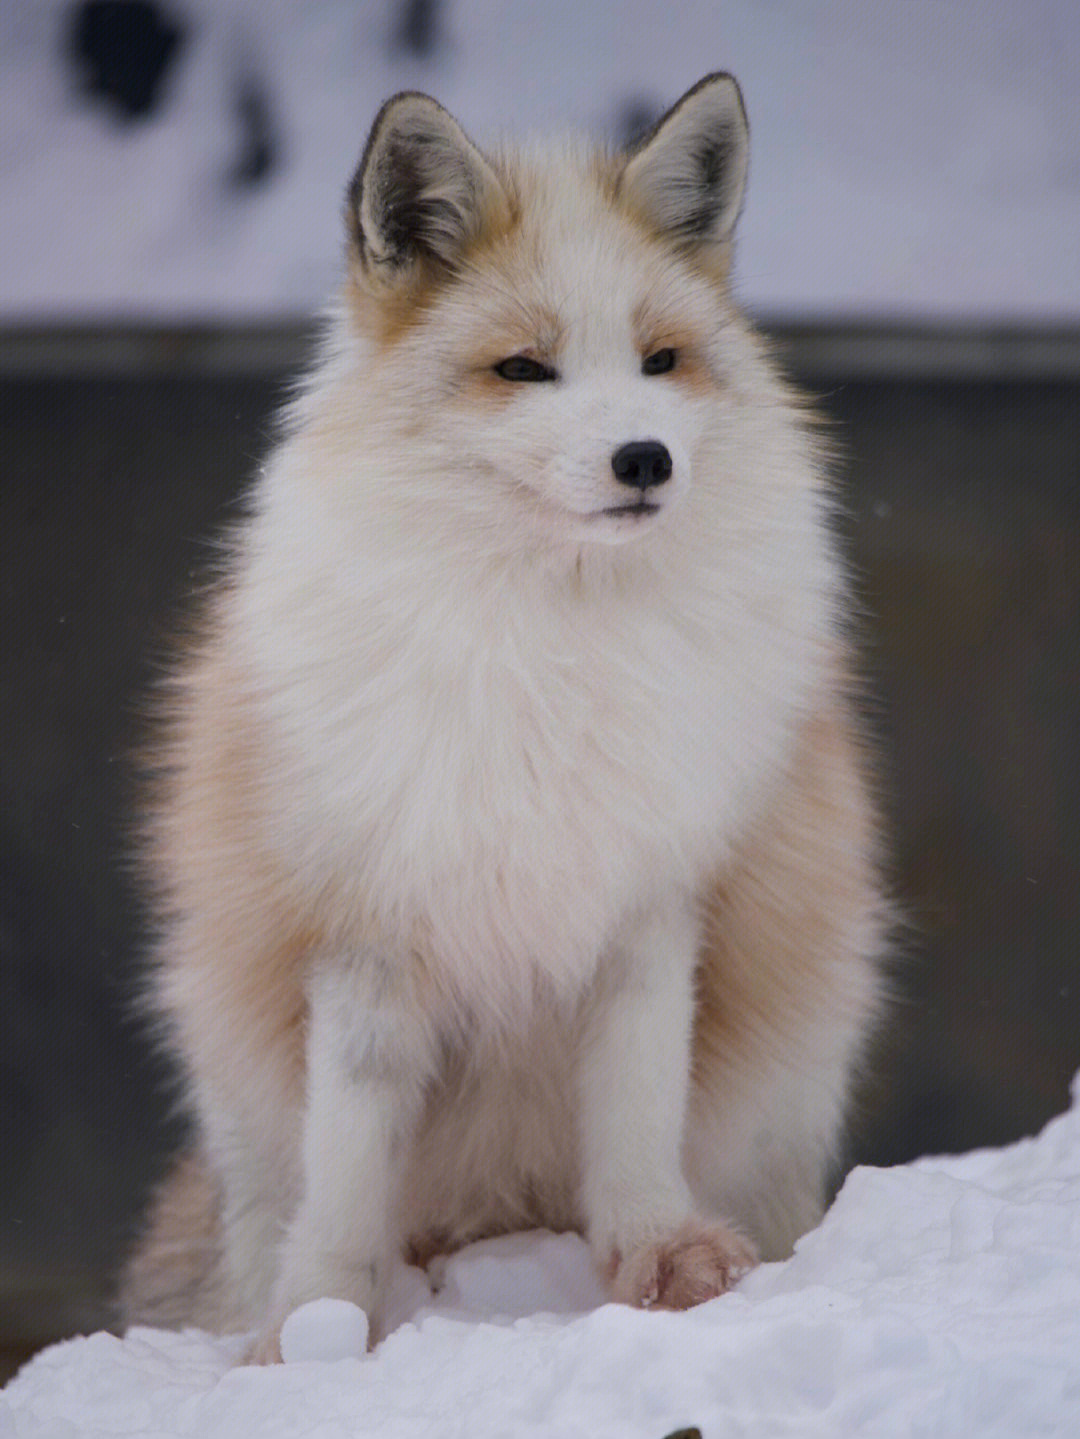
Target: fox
point(515, 851)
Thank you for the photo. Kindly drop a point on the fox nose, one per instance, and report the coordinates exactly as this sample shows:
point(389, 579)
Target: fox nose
point(642, 463)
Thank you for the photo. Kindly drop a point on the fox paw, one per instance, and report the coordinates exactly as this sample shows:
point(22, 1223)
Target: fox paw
point(700, 1260)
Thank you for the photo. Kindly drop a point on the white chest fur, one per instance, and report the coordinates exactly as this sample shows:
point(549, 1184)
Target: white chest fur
point(508, 763)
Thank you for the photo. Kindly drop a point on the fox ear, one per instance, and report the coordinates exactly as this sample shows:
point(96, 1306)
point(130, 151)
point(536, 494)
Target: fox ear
point(423, 191)
point(687, 176)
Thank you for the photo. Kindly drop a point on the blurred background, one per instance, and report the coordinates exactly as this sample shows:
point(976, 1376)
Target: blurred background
point(171, 180)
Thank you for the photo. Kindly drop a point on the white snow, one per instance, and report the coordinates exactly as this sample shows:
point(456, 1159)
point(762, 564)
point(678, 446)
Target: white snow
point(914, 160)
point(940, 1298)
point(325, 1329)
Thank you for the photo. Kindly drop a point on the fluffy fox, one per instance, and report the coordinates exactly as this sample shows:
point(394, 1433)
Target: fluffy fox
point(515, 857)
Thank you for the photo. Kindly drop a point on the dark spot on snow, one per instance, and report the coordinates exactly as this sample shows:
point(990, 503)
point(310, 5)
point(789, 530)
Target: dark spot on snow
point(636, 118)
point(122, 50)
point(259, 140)
point(418, 30)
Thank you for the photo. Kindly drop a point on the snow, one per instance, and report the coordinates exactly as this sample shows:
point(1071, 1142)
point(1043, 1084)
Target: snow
point(325, 1329)
point(907, 160)
point(938, 1298)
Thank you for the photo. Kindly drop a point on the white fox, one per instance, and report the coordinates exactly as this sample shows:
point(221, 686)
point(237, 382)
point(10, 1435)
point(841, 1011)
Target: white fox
point(515, 858)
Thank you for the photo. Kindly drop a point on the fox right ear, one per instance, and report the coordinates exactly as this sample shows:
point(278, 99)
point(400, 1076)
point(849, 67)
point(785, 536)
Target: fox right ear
point(423, 191)
point(688, 175)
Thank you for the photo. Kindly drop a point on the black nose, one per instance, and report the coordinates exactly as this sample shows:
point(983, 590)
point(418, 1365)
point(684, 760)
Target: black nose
point(642, 463)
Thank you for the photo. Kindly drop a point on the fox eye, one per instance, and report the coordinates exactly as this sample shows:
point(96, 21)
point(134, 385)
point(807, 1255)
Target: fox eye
point(520, 367)
point(658, 363)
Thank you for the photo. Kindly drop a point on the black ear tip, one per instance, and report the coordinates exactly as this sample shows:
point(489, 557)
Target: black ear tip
point(720, 80)
point(383, 116)
point(725, 85)
point(417, 98)
point(687, 175)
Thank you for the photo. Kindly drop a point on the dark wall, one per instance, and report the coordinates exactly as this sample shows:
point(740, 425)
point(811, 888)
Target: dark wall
point(965, 530)
point(110, 493)
point(963, 521)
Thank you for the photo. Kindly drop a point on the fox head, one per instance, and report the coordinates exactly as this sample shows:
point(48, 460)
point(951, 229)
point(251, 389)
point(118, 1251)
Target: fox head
point(545, 330)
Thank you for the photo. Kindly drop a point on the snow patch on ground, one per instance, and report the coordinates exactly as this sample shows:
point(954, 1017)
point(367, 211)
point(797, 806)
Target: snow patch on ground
point(941, 1297)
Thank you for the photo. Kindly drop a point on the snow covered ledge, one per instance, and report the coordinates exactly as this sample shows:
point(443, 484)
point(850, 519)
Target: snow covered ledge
point(942, 1297)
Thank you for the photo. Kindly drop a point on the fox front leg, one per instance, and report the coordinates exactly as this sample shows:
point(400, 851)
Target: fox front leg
point(645, 1232)
point(369, 1056)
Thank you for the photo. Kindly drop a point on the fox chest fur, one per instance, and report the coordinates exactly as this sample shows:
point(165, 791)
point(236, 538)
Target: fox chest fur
point(500, 771)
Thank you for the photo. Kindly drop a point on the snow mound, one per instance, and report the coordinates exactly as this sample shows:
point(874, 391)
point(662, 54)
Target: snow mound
point(938, 1298)
point(326, 1330)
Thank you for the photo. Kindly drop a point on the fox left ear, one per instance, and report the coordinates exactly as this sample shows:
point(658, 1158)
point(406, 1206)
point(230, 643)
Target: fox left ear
point(423, 191)
point(688, 175)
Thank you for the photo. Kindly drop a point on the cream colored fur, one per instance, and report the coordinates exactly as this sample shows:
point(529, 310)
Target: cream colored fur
point(515, 860)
